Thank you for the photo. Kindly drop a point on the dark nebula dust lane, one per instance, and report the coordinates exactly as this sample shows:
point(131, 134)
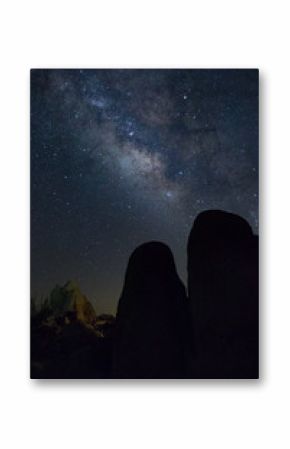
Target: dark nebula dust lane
point(121, 157)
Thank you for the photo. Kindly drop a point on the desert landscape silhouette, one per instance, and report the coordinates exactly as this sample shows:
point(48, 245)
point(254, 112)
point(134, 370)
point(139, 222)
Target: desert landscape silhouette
point(162, 330)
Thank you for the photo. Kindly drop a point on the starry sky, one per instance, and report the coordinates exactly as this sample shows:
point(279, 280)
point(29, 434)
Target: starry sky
point(121, 157)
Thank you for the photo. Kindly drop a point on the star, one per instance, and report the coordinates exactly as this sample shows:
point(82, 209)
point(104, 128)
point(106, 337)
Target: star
point(98, 103)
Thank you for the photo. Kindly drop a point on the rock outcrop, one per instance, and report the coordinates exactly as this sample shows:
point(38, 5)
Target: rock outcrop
point(223, 292)
point(151, 323)
point(68, 340)
point(69, 300)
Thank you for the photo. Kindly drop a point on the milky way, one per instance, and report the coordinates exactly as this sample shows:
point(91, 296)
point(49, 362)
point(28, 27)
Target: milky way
point(120, 157)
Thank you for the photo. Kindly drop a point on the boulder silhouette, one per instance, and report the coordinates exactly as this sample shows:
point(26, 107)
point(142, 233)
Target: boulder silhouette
point(151, 317)
point(223, 293)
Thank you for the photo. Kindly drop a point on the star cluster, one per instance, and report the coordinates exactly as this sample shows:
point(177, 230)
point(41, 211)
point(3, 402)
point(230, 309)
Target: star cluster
point(120, 157)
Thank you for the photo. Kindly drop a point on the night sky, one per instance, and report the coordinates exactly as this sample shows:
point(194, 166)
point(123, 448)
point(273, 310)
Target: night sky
point(121, 157)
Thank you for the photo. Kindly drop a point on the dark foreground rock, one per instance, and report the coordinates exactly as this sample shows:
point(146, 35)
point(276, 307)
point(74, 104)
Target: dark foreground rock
point(151, 329)
point(223, 286)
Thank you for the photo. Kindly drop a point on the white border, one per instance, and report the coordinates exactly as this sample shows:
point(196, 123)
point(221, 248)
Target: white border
point(144, 34)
